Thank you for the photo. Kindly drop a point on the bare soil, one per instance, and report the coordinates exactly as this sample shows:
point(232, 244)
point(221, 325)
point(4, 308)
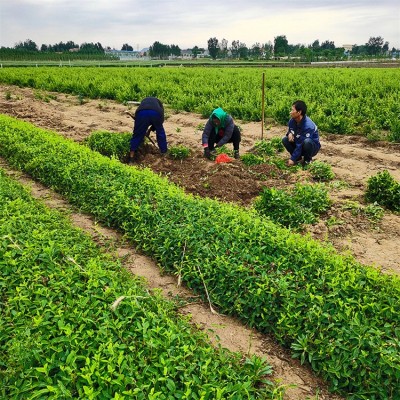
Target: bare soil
point(353, 160)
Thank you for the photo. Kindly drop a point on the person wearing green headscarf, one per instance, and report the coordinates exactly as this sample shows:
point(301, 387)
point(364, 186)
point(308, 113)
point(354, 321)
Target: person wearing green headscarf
point(219, 130)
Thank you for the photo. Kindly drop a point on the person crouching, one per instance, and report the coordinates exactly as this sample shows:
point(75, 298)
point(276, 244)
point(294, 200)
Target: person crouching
point(219, 130)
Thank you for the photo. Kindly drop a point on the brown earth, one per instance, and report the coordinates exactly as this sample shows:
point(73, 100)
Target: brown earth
point(353, 160)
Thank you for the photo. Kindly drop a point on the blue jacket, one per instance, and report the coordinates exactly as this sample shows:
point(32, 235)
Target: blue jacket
point(306, 130)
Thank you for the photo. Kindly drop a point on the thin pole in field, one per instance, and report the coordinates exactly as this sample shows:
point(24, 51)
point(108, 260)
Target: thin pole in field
point(262, 102)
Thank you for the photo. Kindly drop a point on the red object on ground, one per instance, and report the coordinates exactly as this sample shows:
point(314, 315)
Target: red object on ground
point(222, 158)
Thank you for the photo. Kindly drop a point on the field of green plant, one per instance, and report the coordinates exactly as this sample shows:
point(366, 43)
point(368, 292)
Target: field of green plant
point(74, 324)
point(341, 100)
point(335, 314)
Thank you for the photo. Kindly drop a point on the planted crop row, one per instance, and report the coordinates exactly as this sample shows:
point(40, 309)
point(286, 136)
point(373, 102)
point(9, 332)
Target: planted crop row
point(341, 317)
point(358, 100)
point(60, 339)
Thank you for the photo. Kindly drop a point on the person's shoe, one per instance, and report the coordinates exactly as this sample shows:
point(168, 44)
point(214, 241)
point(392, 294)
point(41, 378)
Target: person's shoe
point(236, 154)
point(306, 163)
point(132, 159)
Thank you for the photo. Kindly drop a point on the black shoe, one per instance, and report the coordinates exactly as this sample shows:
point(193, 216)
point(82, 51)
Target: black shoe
point(236, 154)
point(133, 159)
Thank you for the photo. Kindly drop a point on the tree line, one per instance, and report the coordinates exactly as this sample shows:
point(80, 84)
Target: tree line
point(279, 49)
point(59, 51)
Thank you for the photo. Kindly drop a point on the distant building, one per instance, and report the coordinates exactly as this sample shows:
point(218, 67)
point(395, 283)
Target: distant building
point(188, 54)
point(347, 47)
point(126, 55)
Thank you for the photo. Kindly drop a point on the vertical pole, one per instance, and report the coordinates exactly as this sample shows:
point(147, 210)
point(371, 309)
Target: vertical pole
point(263, 105)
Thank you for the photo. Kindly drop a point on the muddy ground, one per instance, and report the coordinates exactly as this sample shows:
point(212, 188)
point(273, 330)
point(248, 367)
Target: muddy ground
point(353, 160)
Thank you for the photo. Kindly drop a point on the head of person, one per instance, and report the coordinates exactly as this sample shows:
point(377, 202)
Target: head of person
point(218, 117)
point(215, 120)
point(299, 109)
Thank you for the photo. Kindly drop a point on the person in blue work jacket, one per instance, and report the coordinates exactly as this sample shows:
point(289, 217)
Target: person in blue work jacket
point(302, 137)
point(149, 116)
point(219, 130)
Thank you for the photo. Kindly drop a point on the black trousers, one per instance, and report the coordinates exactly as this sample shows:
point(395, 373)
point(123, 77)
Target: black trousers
point(235, 139)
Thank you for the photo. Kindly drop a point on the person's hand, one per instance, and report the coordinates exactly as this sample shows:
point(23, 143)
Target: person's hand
point(290, 163)
point(291, 137)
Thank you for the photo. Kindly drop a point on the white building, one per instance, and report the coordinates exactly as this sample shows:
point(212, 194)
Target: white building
point(126, 55)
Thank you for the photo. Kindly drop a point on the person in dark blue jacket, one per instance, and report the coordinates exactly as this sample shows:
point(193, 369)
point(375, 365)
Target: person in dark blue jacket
point(302, 137)
point(149, 116)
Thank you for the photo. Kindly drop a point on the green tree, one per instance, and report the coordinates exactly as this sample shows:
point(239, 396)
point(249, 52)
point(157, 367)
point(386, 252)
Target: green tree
point(385, 47)
point(127, 47)
point(91, 48)
point(196, 51)
point(306, 54)
point(235, 48)
point(28, 45)
point(243, 51)
point(223, 48)
point(327, 45)
point(175, 50)
point(268, 50)
point(256, 50)
point(316, 46)
point(374, 45)
point(158, 50)
point(280, 46)
point(62, 47)
point(163, 51)
point(213, 47)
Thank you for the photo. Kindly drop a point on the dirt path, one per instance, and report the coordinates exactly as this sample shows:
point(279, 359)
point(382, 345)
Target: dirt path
point(353, 160)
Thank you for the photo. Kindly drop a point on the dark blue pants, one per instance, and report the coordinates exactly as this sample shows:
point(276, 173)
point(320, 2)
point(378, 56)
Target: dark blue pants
point(309, 148)
point(144, 119)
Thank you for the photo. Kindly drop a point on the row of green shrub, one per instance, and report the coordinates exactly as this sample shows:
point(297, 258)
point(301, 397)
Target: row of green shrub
point(337, 315)
point(66, 331)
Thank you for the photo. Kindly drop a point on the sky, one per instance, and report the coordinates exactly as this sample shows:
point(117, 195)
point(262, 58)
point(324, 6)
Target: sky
point(189, 23)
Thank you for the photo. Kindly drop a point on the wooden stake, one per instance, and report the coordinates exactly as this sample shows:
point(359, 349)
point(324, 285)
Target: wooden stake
point(262, 102)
